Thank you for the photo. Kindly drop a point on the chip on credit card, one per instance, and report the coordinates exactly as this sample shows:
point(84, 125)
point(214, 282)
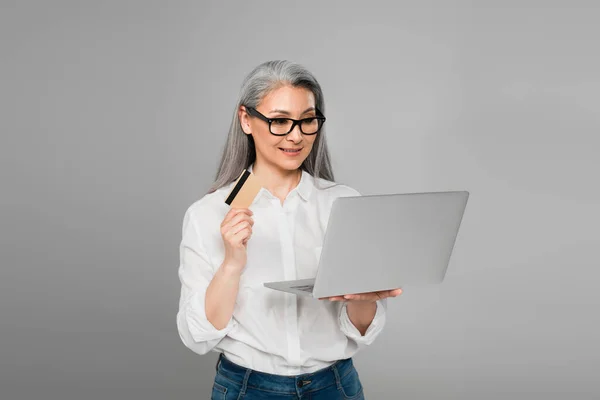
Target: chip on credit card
point(244, 191)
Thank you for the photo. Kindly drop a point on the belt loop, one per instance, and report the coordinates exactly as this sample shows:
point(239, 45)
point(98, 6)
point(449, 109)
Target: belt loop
point(245, 382)
point(338, 381)
point(218, 362)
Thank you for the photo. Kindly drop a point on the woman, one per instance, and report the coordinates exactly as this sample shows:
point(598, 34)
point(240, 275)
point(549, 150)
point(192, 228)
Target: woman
point(272, 344)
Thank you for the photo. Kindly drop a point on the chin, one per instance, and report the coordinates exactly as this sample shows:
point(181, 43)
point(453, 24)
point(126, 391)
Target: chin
point(290, 165)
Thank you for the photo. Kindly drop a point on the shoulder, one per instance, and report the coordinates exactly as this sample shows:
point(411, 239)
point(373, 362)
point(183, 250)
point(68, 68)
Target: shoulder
point(209, 207)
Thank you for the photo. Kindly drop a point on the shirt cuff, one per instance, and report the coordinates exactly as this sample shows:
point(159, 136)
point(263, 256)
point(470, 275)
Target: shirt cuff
point(198, 324)
point(373, 330)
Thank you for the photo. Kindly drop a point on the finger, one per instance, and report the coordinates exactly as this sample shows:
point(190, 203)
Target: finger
point(373, 296)
point(362, 297)
point(242, 235)
point(384, 294)
point(237, 223)
point(233, 212)
point(238, 218)
point(243, 221)
point(230, 231)
point(369, 296)
point(230, 214)
point(236, 214)
point(240, 226)
point(246, 210)
point(380, 295)
point(392, 293)
point(332, 298)
point(246, 234)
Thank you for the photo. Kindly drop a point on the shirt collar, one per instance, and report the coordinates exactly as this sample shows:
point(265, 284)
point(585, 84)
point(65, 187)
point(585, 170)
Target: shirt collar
point(304, 188)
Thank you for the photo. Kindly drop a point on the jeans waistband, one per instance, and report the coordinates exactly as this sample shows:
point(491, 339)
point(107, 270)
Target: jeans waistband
point(283, 383)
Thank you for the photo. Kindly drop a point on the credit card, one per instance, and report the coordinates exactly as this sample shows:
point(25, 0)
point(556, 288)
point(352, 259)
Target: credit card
point(244, 191)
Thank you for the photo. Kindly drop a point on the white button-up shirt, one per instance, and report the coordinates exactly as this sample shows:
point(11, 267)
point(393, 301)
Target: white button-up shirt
point(270, 331)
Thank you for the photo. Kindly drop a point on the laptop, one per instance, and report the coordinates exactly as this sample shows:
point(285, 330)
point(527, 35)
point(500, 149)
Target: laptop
point(384, 242)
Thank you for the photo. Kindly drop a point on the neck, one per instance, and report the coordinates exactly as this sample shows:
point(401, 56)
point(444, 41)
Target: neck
point(276, 180)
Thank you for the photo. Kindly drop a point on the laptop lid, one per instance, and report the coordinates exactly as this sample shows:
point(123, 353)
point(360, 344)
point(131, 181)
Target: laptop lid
point(381, 242)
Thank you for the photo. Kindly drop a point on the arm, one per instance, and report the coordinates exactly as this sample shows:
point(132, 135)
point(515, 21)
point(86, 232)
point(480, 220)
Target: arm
point(361, 315)
point(363, 322)
point(207, 298)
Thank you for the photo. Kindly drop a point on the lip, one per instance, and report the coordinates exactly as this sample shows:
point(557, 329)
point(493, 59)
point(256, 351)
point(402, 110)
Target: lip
point(291, 154)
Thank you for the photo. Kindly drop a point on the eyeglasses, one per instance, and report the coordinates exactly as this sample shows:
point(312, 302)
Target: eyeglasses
point(283, 126)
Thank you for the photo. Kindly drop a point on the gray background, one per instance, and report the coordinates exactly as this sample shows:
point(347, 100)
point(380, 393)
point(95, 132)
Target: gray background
point(114, 114)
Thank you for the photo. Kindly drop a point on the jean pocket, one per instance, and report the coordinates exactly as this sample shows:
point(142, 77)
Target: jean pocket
point(219, 392)
point(351, 386)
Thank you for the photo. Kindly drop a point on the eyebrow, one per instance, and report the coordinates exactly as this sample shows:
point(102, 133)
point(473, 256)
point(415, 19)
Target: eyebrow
point(288, 113)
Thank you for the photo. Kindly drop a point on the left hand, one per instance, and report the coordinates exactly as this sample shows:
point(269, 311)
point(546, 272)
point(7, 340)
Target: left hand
point(369, 297)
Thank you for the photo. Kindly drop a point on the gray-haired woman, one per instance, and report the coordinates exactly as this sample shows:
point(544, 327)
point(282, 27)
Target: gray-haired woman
point(272, 344)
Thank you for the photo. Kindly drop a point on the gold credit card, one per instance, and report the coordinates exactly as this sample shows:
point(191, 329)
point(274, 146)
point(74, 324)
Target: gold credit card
point(244, 191)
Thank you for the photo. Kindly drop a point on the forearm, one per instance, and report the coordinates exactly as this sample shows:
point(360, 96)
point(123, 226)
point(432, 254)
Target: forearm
point(361, 314)
point(221, 295)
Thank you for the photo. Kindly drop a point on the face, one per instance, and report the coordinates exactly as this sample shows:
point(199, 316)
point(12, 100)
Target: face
point(284, 102)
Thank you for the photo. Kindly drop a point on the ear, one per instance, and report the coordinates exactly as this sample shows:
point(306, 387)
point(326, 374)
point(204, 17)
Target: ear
point(244, 120)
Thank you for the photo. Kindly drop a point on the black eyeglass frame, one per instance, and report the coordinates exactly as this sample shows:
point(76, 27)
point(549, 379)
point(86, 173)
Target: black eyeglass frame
point(320, 118)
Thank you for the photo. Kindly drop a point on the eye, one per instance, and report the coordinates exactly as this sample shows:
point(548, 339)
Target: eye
point(280, 121)
point(313, 121)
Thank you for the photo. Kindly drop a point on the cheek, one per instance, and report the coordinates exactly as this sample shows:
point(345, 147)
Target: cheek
point(310, 143)
point(265, 140)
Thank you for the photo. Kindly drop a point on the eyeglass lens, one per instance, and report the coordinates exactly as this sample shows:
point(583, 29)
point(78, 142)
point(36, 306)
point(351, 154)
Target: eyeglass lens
point(281, 126)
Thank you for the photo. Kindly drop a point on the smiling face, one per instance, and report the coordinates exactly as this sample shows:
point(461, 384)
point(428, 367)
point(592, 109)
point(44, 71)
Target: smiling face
point(283, 102)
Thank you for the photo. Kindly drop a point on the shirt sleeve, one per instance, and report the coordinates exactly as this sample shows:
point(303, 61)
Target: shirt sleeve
point(195, 274)
point(373, 330)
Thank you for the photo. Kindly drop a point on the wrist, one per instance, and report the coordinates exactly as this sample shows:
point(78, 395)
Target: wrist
point(362, 306)
point(361, 314)
point(231, 271)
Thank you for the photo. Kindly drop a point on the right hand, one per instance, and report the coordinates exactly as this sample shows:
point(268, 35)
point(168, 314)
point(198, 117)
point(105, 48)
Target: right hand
point(236, 230)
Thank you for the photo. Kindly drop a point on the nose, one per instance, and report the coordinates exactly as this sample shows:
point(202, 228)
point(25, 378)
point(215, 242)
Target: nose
point(295, 135)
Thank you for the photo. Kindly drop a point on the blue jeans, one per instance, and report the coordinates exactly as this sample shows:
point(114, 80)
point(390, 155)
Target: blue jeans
point(338, 381)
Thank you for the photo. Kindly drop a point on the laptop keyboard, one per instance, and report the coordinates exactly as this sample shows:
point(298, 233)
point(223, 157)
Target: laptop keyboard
point(304, 288)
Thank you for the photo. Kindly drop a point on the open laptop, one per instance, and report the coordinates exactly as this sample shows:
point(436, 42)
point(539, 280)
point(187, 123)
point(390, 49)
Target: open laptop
point(383, 242)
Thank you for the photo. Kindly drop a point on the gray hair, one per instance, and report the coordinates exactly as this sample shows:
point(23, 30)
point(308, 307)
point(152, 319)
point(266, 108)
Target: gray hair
point(239, 150)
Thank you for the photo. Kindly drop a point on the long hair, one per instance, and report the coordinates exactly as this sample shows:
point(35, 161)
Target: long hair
point(240, 151)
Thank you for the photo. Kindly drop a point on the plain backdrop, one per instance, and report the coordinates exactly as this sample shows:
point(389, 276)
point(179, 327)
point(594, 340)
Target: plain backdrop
point(113, 118)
